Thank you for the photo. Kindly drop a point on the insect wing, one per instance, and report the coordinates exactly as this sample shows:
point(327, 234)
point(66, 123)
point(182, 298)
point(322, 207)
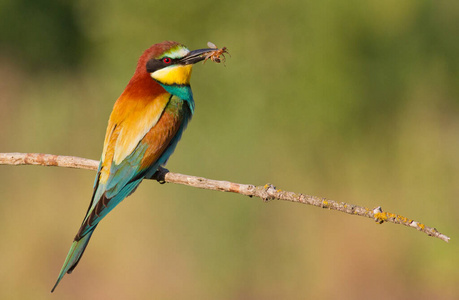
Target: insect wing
point(211, 45)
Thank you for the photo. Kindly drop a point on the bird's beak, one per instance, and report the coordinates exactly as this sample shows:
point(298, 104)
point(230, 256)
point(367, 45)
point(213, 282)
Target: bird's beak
point(195, 56)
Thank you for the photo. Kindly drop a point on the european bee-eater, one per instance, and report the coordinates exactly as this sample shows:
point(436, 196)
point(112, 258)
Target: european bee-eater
point(145, 125)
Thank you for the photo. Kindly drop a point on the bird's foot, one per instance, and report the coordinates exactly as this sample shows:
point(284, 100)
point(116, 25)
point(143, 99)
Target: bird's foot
point(160, 175)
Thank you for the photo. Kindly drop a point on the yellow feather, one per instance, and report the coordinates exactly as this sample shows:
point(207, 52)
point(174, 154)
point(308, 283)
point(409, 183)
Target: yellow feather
point(176, 74)
point(127, 127)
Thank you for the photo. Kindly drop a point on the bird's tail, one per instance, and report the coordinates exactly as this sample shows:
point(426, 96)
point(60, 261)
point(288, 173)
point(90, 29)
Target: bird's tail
point(74, 256)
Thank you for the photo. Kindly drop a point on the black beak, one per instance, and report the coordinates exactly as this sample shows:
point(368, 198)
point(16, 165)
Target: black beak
point(196, 56)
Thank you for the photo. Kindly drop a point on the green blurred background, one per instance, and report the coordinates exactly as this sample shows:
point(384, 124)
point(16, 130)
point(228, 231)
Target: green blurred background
point(356, 101)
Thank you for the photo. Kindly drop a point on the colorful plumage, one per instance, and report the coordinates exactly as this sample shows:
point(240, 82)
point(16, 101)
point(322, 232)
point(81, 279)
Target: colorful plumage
point(145, 125)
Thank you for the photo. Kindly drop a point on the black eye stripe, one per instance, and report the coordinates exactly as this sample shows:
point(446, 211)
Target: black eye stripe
point(156, 64)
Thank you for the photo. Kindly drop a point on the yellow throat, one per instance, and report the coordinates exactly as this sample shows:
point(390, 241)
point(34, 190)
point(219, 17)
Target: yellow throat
point(176, 74)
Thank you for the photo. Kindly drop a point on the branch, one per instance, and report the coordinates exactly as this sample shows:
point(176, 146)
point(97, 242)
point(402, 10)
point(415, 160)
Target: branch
point(266, 192)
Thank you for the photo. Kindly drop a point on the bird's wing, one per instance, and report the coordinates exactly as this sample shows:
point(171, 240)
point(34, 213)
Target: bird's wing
point(136, 139)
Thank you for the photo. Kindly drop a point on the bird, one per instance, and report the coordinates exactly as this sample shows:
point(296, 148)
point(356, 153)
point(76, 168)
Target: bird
point(144, 127)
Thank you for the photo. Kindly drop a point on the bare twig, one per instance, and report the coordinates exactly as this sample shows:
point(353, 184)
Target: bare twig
point(266, 192)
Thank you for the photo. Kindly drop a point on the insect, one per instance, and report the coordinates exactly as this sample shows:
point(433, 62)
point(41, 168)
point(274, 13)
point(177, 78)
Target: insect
point(215, 55)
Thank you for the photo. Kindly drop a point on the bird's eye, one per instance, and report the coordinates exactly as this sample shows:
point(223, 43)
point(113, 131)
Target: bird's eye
point(166, 60)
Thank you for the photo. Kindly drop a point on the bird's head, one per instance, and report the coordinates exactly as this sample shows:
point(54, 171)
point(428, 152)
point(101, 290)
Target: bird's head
point(170, 63)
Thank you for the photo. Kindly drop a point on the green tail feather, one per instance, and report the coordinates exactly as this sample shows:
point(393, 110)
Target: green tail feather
point(73, 257)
